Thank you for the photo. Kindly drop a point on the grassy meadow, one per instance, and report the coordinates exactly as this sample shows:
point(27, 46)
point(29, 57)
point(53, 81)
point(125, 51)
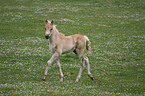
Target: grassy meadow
point(116, 29)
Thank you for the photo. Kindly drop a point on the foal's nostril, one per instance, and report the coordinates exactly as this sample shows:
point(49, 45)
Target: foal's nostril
point(47, 36)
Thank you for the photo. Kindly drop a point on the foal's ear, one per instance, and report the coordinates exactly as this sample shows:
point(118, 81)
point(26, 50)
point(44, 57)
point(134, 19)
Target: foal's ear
point(46, 21)
point(52, 22)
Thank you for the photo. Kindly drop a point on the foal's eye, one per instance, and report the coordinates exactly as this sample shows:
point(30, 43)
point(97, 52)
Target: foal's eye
point(51, 29)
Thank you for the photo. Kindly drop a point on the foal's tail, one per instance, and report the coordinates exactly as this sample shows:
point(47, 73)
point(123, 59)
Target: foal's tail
point(88, 44)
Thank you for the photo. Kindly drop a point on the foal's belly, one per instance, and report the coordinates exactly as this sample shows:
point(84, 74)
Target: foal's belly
point(68, 48)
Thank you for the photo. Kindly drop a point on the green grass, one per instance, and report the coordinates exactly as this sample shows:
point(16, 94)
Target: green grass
point(116, 29)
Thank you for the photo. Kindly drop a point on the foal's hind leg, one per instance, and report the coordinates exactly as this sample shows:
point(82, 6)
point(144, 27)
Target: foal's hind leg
point(88, 67)
point(82, 62)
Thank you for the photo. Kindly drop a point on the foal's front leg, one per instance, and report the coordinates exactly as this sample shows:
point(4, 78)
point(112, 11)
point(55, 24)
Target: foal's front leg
point(58, 63)
point(53, 58)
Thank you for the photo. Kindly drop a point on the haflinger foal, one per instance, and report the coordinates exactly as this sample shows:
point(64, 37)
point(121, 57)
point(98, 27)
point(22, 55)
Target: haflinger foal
point(60, 44)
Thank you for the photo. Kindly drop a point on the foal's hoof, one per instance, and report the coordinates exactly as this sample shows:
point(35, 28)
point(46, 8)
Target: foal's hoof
point(43, 79)
point(91, 77)
point(76, 80)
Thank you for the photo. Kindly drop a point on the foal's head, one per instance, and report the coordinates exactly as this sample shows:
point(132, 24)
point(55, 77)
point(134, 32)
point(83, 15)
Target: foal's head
point(48, 28)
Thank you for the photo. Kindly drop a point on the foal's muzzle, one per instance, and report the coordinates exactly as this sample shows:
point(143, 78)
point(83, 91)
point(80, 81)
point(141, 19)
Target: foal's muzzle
point(47, 36)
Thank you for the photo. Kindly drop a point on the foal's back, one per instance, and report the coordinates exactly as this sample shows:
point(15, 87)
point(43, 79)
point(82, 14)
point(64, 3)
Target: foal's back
point(70, 43)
